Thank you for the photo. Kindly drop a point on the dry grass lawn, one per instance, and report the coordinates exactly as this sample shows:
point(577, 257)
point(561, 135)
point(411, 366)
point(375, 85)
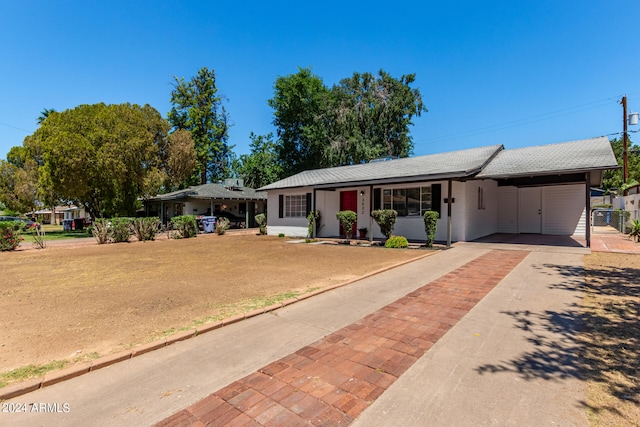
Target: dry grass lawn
point(86, 299)
point(82, 299)
point(611, 363)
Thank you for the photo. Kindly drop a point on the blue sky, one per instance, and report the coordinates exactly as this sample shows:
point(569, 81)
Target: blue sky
point(516, 73)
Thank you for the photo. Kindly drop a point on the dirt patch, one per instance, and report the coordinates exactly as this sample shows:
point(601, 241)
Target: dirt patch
point(81, 298)
point(611, 311)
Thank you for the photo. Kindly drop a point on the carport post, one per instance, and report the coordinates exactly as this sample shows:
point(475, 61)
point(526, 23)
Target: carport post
point(370, 217)
point(587, 212)
point(314, 230)
point(449, 198)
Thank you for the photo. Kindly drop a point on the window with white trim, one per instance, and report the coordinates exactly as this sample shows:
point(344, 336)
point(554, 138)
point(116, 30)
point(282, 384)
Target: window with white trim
point(481, 205)
point(295, 206)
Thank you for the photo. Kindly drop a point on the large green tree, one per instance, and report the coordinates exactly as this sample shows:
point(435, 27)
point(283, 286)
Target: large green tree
point(261, 167)
point(197, 107)
point(613, 178)
point(102, 156)
point(19, 185)
point(299, 102)
point(370, 117)
point(361, 118)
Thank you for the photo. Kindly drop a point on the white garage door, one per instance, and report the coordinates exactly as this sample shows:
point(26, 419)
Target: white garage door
point(563, 210)
point(561, 207)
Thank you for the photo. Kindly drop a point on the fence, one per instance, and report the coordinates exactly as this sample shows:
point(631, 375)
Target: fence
point(603, 219)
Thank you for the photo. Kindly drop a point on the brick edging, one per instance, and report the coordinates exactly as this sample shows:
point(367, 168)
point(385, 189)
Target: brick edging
point(51, 378)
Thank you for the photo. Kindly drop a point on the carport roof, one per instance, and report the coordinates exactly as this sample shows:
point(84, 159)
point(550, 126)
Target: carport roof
point(213, 191)
point(454, 164)
point(567, 157)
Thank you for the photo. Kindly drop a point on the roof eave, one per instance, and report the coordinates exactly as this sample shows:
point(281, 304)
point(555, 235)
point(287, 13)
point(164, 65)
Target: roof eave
point(543, 173)
point(397, 180)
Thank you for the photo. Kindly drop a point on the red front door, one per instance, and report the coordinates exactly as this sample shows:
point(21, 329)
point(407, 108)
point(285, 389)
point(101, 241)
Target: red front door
point(349, 202)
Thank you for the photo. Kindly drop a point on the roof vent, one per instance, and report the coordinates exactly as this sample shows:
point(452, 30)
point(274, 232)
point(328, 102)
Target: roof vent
point(382, 159)
point(233, 183)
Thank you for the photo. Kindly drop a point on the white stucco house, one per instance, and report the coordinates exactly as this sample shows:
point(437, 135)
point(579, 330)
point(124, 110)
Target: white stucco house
point(478, 192)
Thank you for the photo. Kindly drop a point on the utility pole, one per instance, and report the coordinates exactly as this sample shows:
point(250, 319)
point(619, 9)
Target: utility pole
point(625, 143)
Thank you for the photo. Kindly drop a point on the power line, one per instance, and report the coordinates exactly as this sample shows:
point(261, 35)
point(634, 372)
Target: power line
point(523, 121)
point(15, 127)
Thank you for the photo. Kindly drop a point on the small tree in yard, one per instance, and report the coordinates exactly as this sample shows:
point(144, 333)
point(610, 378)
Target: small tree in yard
point(314, 220)
point(261, 220)
point(347, 220)
point(386, 219)
point(430, 220)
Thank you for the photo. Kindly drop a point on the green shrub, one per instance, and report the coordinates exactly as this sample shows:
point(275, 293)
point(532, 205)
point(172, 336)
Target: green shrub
point(10, 237)
point(100, 230)
point(622, 212)
point(347, 220)
point(222, 225)
point(120, 229)
point(281, 235)
point(386, 219)
point(261, 220)
point(146, 228)
point(314, 219)
point(430, 221)
point(396, 242)
point(185, 226)
point(634, 231)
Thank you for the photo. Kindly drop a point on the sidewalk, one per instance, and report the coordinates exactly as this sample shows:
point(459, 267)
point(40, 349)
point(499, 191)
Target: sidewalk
point(614, 242)
point(328, 357)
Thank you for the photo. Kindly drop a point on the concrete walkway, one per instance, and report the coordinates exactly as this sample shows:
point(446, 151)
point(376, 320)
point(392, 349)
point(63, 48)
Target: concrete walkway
point(457, 338)
point(614, 242)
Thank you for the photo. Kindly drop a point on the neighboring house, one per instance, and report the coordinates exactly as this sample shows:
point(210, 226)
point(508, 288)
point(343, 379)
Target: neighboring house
point(478, 192)
point(229, 198)
point(601, 196)
point(60, 213)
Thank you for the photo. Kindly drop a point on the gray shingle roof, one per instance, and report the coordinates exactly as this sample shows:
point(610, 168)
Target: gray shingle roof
point(214, 191)
point(574, 156)
point(454, 164)
point(484, 162)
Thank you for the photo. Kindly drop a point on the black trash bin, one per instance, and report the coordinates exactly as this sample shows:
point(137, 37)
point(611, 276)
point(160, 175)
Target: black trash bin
point(67, 224)
point(78, 224)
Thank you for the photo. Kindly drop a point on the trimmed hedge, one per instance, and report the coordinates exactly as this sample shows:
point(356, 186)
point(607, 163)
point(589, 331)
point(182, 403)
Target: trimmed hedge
point(261, 220)
point(185, 226)
point(430, 221)
point(347, 219)
point(386, 219)
point(396, 242)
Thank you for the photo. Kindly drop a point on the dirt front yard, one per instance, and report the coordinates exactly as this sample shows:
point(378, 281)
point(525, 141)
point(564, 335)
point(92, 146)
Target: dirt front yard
point(610, 362)
point(70, 301)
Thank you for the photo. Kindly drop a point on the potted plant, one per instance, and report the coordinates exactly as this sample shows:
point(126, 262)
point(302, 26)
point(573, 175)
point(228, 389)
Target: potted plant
point(363, 232)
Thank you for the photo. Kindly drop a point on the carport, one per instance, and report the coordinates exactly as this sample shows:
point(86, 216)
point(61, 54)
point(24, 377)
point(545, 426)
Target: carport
point(544, 190)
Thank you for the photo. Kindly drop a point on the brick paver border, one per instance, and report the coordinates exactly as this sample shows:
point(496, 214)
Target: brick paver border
point(331, 381)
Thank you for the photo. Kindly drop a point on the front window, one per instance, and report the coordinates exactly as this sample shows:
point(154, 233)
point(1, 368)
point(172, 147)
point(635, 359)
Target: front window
point(295, 206)
point(407, 201)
